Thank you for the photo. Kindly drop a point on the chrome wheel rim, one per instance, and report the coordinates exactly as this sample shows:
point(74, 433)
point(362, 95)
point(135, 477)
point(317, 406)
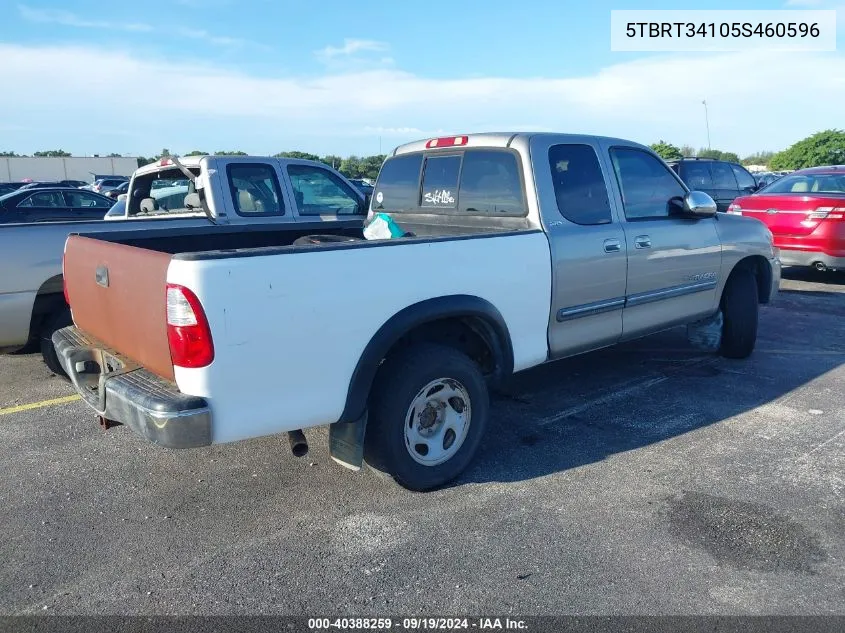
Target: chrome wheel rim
point(437, 421)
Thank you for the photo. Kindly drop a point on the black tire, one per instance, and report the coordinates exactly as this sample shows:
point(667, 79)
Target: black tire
point(740, 313)
point(399, 380)
point(54, 322)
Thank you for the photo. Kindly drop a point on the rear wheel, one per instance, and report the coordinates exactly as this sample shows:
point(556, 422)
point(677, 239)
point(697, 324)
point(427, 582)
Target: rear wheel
point(54, 322)
point(740, 310)
point(428, 412)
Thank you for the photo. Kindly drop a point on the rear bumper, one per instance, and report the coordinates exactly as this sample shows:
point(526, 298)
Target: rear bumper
point(791, 257)
point(115, 389)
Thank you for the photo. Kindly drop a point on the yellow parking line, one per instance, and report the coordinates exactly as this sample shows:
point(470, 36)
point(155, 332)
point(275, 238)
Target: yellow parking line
point(38, 405)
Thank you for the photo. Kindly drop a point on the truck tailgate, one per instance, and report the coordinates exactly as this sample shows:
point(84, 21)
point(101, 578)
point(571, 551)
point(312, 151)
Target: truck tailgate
point(118, 295)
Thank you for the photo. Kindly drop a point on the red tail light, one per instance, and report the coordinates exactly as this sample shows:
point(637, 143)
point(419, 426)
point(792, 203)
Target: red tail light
point(188, 332)
point(827, 213)
point(447, 141)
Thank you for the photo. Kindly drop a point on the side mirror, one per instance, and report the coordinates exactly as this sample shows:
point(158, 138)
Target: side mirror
point(365, 207)
point(122, 196)
point(698, 204)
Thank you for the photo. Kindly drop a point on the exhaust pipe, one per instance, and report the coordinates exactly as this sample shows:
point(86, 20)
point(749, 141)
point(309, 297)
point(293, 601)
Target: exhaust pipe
point(819, 266)
point(298, 443)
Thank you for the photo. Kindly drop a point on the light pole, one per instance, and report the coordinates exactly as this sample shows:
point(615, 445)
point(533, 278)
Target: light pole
point(707, 123)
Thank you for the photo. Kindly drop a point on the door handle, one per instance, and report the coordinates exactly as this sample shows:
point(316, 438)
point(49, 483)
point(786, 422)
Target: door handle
point(612, 246)
point(642, 241)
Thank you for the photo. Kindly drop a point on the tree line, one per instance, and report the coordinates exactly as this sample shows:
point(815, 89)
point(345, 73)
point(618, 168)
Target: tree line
point(822, 148)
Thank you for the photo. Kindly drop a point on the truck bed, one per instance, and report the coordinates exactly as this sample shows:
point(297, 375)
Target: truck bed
point(216, 239)
point(117, 281)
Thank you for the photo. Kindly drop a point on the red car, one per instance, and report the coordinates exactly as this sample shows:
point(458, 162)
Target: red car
point(805, 211)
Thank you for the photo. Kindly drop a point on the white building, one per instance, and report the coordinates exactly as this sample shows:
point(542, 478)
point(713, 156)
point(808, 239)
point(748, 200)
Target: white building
point(73, 168)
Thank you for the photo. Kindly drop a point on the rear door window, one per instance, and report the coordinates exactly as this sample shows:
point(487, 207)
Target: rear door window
point(723, 176)
point(440, 182)
point(744, 179)
point(81, 200)
point(696, 174)
point(580, 189)
point(45, 200)
point(319, 192)
point(255, 189)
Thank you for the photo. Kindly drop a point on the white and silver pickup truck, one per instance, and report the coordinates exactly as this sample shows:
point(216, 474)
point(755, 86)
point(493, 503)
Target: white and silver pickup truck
point(237, 193)
point(519, 249)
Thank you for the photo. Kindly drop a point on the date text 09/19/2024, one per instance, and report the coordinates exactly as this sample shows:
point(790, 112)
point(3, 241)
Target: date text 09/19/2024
point(417, 624)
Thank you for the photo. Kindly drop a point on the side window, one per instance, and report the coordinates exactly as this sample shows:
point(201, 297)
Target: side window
point(743, 178)
point(47, 200)
point(318, 191)
point(255, 189)
point(647, 184)
point(723, 176)
point(80, 199)
point(696, 174)
point(440, 182)
point(490, 184)
point(398, 184)
point(580, 189)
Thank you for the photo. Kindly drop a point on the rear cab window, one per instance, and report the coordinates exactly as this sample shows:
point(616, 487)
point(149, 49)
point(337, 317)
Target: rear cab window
point(162, 191)
point(470, 182)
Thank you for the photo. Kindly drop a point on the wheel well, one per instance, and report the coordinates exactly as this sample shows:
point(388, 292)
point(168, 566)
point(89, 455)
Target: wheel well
point(471, 335)
point(759, 267)
point(48, 300)
point(468, 323)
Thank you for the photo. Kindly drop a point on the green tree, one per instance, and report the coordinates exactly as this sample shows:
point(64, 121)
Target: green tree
point(822, 148)
point(10, 155)
point(331, 160)
point(295, 154)
point(371, 165)
point(718, 155)
point(666, 151)
point(52, 153)
point(196, 152)
point(351, 167)
point(143, 160)
point(688, 151)
point(233, 152)
point(760, 158)
point(114, 155)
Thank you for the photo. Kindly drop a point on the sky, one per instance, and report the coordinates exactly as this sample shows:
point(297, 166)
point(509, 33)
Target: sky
point(264, 76)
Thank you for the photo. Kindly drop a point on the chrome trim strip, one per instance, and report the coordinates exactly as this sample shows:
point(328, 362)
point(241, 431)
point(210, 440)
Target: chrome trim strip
point(590, 309)
point(668, 293)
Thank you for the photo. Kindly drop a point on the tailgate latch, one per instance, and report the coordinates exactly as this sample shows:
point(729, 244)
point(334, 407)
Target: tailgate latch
point(101, 275)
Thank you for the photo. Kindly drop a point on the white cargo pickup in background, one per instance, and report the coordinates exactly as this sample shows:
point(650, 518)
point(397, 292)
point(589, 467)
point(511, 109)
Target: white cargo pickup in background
point(217, 192)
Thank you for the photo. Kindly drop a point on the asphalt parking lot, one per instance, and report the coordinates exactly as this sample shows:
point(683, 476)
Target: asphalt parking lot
point(649, 478)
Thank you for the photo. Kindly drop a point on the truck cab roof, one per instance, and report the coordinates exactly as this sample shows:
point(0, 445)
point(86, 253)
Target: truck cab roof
point(496, 139)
